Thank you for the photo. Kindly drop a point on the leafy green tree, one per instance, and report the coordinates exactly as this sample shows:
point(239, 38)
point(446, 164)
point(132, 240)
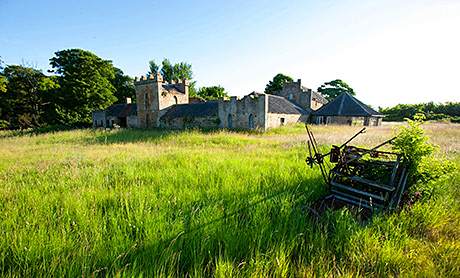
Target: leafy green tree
point(48, 92)
point(154, 68)
point(84, 81)
point(20, 102)
point(179, 71)
point(276, 84)
point(213, 92)
point(3, 80)
point(167, 70)
point(124, 86)
point(334, 88)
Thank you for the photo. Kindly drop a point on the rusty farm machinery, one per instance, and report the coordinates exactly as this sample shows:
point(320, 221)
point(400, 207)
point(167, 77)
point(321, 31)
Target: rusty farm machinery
point(365, 178)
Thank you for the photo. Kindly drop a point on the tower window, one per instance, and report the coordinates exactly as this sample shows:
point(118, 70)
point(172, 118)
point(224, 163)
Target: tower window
point(146, 101)
point(230, 121)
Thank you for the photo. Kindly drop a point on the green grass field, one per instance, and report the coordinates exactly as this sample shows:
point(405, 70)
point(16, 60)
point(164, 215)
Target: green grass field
point(151, 203)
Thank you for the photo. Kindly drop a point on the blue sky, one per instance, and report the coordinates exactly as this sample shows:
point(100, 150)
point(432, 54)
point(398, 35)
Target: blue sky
point(389, 51)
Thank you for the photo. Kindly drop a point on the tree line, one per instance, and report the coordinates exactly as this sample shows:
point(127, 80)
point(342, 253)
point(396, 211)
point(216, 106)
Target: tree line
point(449, 111)
point(78, 83)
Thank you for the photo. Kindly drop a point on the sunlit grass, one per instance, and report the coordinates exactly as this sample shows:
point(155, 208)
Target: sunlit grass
point(206, 203)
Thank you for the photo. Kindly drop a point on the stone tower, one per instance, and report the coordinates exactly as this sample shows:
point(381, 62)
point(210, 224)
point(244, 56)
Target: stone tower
point(155, 97)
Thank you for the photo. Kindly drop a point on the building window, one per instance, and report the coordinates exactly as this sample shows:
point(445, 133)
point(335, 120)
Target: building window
point(146, 101)
point(175, 99)
point(251, 121)
point(282, 121)
point(329, 120)
point(230, 121)
point(147, 120)
point(290, 96)
point(319, 120)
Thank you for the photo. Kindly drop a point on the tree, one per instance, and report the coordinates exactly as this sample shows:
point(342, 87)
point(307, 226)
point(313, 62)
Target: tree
point(20, 101)
point(213, 92)
point(154, 68)
point(124, 86)
point(84, 81)
point(276, 84)
point(170, 72)
point(3, 80)
point(334, 88)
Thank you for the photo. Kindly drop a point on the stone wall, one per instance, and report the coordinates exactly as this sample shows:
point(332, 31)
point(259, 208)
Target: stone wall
point(147, 92)
point(181, 122)
point(169, 97)
point(304, 97)
point(276, 120)
point(247, 113)
point(293, 91)
point(99, 118)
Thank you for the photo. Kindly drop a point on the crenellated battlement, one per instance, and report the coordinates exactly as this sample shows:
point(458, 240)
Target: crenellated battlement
point(293, 85)
point(149, 78)
point(254, 96)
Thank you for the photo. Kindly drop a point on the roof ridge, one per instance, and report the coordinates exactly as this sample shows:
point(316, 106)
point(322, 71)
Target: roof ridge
point(364, 106)
point(339, 110)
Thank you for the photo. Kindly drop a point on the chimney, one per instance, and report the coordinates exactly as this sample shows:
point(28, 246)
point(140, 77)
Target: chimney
point(128, 100)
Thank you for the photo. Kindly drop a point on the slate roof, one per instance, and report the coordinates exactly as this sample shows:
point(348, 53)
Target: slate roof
point(280, 105)
point(171, 88)
point(346, 105)
point(318, 97)
point(197, 109)
point(122, 110)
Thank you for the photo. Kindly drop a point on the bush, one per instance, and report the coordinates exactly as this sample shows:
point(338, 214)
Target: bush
point(412, 142)
point(4, 124)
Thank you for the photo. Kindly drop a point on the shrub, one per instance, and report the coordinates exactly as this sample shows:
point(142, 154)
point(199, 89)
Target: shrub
point(413, 143)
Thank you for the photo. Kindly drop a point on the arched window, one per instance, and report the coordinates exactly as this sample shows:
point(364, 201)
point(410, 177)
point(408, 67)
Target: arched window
point(175, 99)
point(319, 120)
point(328, 120)
point(290, 96)
point(147, 120)
point(230, 121)
point(146, 101)
point(251, 121)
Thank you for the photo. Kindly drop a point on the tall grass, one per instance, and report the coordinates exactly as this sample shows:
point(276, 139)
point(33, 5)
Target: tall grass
point(143, 203)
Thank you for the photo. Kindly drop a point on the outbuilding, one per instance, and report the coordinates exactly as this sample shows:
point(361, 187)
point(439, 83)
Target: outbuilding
point(347, 110)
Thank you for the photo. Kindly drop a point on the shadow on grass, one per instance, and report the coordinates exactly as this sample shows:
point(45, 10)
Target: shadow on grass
point(133, 135)
point(36, 131)
point(244, 226)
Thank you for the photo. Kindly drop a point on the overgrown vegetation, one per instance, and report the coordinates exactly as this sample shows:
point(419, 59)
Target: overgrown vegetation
point(151, 203)
point(413, 142)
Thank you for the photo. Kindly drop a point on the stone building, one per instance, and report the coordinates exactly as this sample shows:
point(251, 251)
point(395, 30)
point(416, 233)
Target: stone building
point(304, 97)
point(123, 115)
point(160, 104)
point(347, 110)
